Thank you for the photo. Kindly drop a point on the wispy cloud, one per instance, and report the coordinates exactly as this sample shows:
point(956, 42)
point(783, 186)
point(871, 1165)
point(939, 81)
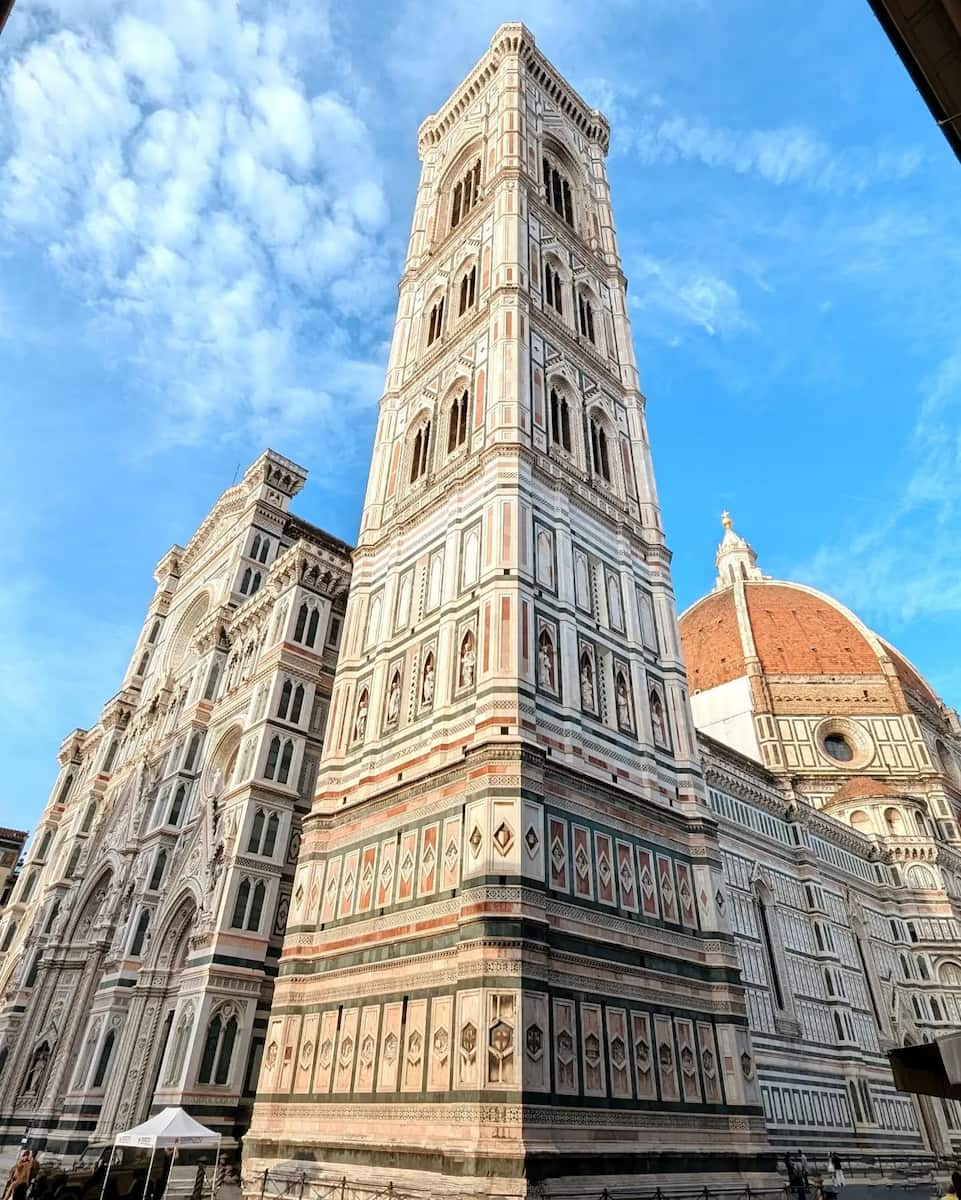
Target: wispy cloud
point(899, 560)
point(780, 156)
point(687, 294)
point(219, 217)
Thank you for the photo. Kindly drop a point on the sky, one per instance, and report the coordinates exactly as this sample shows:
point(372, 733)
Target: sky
point(203, 212)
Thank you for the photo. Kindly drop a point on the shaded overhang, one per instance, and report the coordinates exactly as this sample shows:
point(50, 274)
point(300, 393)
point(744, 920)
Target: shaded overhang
point(930, 1069)
point(6, 7)
point(927, 37)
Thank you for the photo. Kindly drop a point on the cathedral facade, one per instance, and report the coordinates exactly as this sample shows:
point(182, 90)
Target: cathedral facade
point(141, 940)
point(518, 909)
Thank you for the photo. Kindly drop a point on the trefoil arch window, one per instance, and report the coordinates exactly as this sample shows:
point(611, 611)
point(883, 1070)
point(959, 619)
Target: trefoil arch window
point(457, 423)
point(600, 453)
point(421, 448)
point(560, 420)
point(435, 322)
point(585, 316)
point(218, 1049)
point(468, 291)
point(553, 289)
point(249, 905)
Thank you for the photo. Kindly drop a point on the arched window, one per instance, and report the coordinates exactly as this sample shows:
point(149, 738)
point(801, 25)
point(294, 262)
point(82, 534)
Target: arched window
point(468, 291)
point(299, 629)
point(44, 844)
point(256, 832)
point(255, 582)
point(212, 680)
point(936, 1009)
point(140, 933)
point(255, 546)
point(312, 627)
point(159, 866)
point(154, 630)
point(553, 289)
point(177, 807)
point(270, 837)
point(193, 749)
point(245, 582)
point(240, 905)
point(264, 550)
point(466, 194)
point(920, 877)
point(298, 705)
point(256, 906)
point(600, 457)
point(211, 1045)
point(828, 982)
point(273, 754)
point(285, 758)
point(29, 885)
point(51, 916)
point(111, 756)
point(761, 907)
point(457, 423)
point(144, 659)
point(8, 936)
point(88, 817)
point(557, 192)
point(560, 421)
point(435, 322)
point(218, 1050)
point(103, 1062)
point(71, 863)
point(65, 789)
point(585, 316)
point(222, 1073)
point(283, 705)
point(421, 447)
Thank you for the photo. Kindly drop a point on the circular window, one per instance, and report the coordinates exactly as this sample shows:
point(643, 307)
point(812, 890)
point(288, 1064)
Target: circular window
point(844, 743)
point(837, 746)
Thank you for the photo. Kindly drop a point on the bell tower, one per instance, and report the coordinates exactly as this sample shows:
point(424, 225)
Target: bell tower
point(508, 960)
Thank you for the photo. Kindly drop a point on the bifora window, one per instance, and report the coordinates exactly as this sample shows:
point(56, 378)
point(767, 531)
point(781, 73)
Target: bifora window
point(557, 192)
point(837, 746)
point(466, 194)
point(457, 423)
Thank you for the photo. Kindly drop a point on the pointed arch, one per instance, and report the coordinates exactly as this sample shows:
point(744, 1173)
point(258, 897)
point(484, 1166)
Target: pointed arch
point(256, 832)
point(286, 755)
point(270, 835)
point(297, 706)
point(457, 421)
point(283, 704)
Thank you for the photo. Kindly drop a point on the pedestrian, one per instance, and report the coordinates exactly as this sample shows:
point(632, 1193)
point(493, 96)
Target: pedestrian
point(835, 1161)
point(19, 1178)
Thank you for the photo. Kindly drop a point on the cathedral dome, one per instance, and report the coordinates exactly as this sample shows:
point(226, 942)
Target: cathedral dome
point(790, 676)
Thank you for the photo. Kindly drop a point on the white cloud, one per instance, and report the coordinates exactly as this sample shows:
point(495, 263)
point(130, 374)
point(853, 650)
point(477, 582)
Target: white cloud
point(786, 155)
point(688, 293)
point(198, 196)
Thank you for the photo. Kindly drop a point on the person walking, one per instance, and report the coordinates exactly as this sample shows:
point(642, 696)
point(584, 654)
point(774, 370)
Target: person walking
point(19, 1178)
point(835, 1160)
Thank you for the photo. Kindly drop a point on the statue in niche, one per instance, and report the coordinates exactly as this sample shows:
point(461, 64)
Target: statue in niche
point(623, 703)
point(467, 661)
point(427, 687)
point(360, 726)
point(545, 655)
point(393, 700)
point(587, 683)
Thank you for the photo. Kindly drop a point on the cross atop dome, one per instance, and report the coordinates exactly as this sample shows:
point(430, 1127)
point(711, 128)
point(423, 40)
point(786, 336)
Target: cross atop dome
point(735, 558)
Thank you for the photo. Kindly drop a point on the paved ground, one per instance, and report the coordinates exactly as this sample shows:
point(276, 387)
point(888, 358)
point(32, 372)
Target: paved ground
point(895, 1189)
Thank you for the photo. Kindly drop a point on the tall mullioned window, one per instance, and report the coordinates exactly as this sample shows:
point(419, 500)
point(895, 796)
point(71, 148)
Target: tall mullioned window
point(557, 192)
point(560, 421)
point(553, 292)
point(435, 323)
point(465, 195)
point(585, 316)
point(468, 290)
point(418, 458)
point(600, 455)
point(457, 423)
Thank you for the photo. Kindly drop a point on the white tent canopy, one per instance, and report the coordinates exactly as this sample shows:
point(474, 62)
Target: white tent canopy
point(170, 1128)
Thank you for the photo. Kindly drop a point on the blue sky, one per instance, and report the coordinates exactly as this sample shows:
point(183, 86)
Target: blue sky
point(203, 211)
